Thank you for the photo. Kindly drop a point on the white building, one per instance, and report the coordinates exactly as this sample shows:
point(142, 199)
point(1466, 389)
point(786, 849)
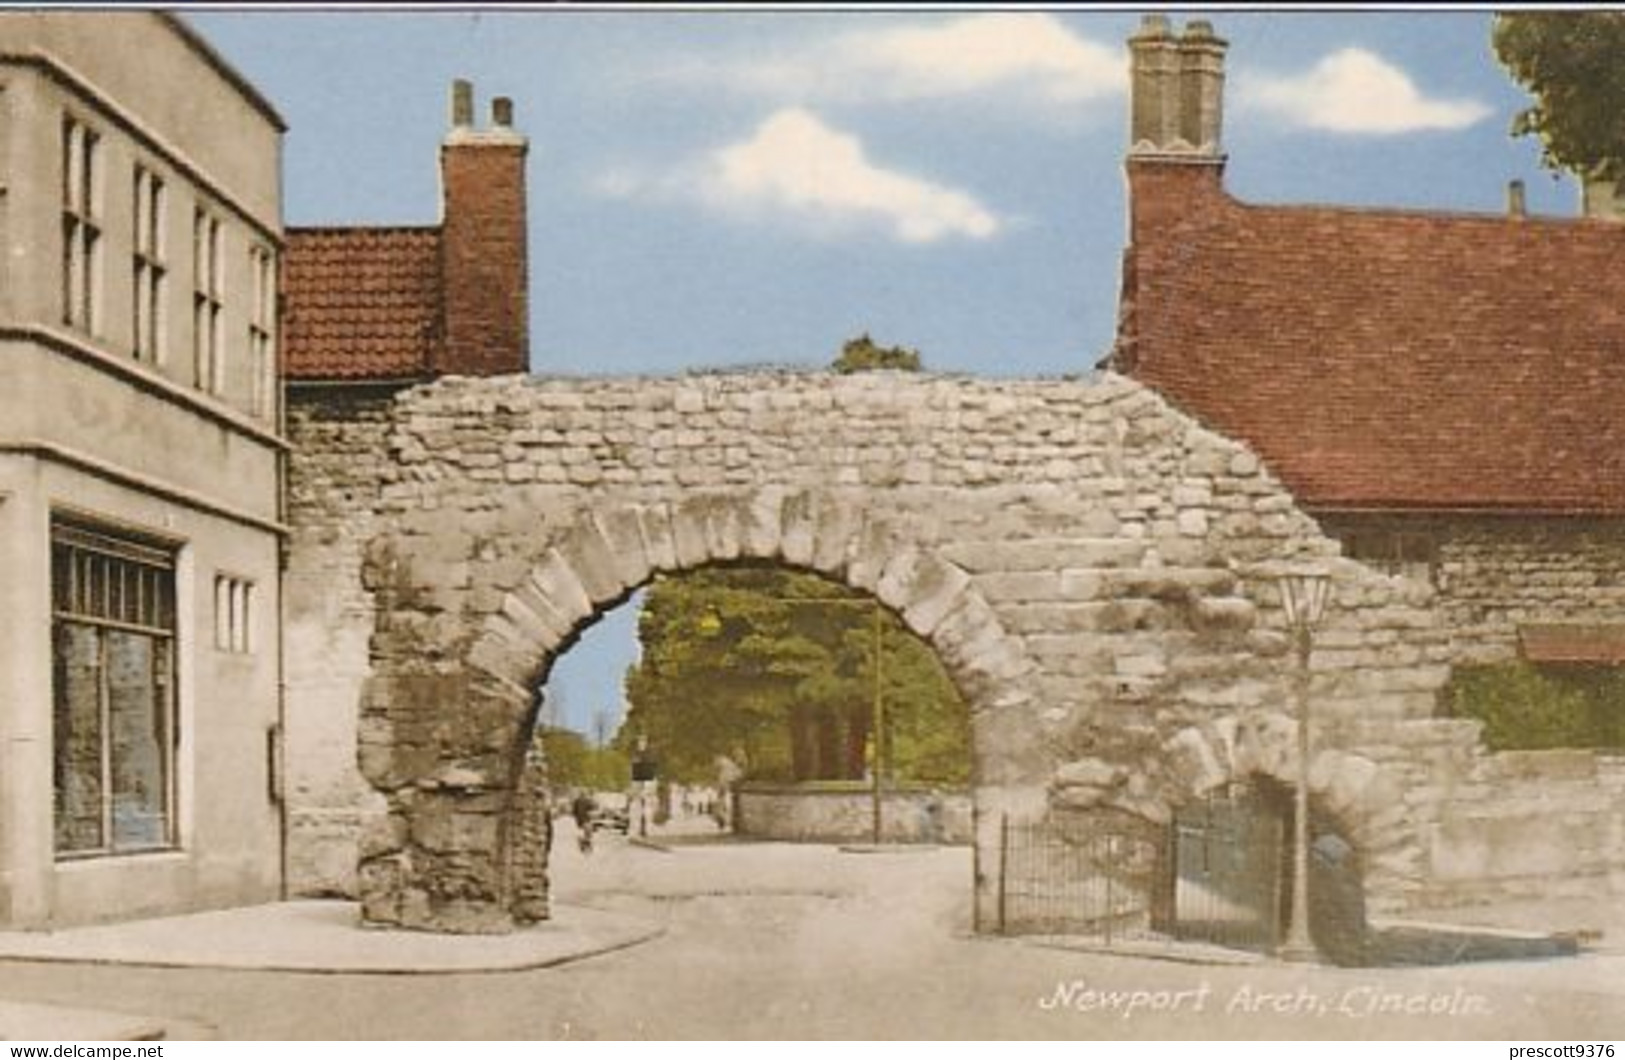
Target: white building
point(140, 464)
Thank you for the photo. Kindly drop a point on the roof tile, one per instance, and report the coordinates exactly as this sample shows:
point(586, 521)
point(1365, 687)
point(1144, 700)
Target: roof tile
point(1387, 359)
point(362, 303)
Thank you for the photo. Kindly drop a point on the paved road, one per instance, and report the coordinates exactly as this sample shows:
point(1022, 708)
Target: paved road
point(776, 941)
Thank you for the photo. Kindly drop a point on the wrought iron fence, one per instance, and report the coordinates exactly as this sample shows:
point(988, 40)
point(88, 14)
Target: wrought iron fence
point(1214, 875)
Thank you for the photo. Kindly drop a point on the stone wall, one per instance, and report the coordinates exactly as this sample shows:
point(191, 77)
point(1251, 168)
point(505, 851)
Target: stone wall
point(1495, 573)
point(1095, 570)
point(337, 465)
point(810, 814)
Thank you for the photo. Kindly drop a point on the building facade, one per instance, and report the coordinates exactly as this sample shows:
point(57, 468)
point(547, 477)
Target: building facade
point(1438, 389)
point(372, 311)
point(141, 457)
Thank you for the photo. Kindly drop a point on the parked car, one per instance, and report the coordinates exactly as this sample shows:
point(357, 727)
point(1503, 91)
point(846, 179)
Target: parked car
point(609, 817)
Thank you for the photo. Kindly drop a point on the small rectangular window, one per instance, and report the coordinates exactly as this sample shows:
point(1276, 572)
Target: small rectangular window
point(81, 225)
point(208, 358)
point(261, 321)
point(148, 270)
point(233, 607)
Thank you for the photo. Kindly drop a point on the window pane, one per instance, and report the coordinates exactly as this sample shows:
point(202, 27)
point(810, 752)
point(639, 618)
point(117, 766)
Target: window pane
point(137, 723)
point(77, 732)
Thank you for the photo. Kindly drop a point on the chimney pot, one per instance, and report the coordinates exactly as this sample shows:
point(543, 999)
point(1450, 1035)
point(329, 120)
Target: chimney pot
point(1516, 206)
point(462, 103)
point(502, 112)
point(1154, 26)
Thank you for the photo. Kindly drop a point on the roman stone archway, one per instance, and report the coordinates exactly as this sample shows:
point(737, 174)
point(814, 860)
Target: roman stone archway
point(1092, 567)
point(457, 854)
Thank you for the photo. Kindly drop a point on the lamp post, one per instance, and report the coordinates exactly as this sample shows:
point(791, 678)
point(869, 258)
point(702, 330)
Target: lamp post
point(1303, 598)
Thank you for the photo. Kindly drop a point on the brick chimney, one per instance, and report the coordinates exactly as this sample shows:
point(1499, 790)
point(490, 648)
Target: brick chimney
point(1176, 107)
point(483, 254)
point(1602, 200)
point(1175, 166)
point(1176, 92)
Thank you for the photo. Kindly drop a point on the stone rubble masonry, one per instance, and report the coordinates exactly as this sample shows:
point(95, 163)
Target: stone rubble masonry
point(1093, 568)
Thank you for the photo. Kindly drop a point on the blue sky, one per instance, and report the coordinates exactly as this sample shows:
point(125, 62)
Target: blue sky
point(714, 187)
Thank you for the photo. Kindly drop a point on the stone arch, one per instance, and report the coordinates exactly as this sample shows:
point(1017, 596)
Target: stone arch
point(451, 855)
point(1362, 797)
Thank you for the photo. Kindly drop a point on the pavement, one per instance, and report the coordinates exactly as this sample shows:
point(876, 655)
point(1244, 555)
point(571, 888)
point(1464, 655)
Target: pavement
point(300, 937)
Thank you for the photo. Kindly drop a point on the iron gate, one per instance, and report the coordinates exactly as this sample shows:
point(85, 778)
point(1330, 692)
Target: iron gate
point(1215, 875)
point(1228, 879)
point(1076, 874)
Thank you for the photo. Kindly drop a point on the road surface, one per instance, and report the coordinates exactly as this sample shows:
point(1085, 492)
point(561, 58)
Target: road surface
point(777, 941)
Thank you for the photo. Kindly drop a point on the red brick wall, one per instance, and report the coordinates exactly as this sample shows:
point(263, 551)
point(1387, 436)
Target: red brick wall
point(483, 260)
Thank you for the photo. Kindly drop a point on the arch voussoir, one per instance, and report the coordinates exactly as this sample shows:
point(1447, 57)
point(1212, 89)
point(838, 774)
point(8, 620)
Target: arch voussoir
point(659, 538)
point(836, 524)
point(763, 524)
point(555, 578)
point(922, 588)
point(688, 533)
point(622, 530)
point(592, 558)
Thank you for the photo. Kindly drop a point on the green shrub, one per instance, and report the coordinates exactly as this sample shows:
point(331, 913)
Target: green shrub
point(1529, 708)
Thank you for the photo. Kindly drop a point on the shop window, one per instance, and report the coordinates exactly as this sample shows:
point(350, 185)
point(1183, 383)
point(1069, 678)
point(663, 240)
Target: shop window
point(113, 697)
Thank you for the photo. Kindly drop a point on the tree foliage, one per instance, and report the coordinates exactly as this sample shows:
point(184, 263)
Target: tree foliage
point(1573, 64)
point(863, 355)
point(573, 763)
point(1530, 708)
point(764, 667)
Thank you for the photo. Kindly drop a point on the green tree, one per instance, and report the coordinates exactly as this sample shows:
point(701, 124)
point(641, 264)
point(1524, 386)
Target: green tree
point(761, 666)
point(1573, 64)
point(862, 355)
point(572, 762)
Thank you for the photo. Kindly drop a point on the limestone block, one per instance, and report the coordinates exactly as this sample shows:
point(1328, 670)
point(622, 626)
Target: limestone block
point(1195, 765)
point(688, 533)
point(1089, 772)
point(556, 581)
point(659, 541)
point(1267, 743)
point(798, 521)
point(592, 559)
point(930, 593)
point(872, 547)
point(762, 524)
point(622, 530)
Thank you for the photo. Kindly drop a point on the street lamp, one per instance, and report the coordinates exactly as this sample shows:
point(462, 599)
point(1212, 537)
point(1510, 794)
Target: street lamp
point(1303, 598)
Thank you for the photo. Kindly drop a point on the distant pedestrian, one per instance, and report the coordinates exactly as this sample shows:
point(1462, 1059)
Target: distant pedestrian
point(582, 809)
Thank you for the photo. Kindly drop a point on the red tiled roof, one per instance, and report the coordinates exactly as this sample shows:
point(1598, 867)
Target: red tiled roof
point(1563, 643)
point(362, 303)
point(1384, 359)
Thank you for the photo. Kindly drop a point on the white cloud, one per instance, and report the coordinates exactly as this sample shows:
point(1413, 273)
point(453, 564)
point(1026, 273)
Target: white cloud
point(1028, 55)
point(1355, 91)
point(796, 167)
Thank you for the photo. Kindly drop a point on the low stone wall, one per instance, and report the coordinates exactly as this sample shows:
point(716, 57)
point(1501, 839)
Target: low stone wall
point(814, 814)
point(1510, 825)
point(1530, 824)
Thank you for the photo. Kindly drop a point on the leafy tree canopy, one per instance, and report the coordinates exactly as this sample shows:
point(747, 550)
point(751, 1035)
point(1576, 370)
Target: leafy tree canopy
point(1573, 64)
point(765, 667)
point(862, 355)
